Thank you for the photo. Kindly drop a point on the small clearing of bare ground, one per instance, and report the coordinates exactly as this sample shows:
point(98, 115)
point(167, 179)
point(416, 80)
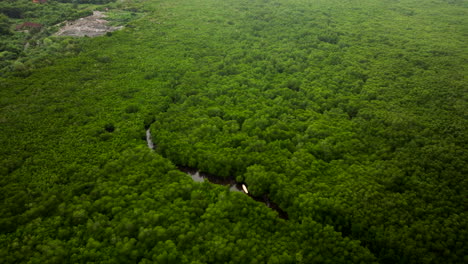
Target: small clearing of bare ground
point(91, 26)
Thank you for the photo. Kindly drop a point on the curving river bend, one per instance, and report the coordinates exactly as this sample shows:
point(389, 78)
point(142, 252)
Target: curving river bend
point(234, 186)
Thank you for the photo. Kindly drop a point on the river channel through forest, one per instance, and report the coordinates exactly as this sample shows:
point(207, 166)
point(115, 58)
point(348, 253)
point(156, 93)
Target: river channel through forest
point(234, 131)
point(234, 186)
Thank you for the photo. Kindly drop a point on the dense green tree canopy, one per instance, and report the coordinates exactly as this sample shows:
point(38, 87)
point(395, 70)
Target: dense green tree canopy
point(349, 115)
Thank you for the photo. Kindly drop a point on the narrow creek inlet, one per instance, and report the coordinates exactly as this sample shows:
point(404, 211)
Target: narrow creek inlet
point(234, 186)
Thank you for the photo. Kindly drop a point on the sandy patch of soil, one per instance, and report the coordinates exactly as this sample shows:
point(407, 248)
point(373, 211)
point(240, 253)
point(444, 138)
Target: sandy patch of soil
point(91, 26)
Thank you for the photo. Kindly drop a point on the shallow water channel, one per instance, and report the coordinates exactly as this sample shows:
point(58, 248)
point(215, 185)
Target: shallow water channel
point(234, 186)
point(201, 177)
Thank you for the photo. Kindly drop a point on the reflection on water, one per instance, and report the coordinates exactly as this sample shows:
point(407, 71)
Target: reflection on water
point(200, 177)
point(149, 140)
point(233, 185)
point(235, 188)
point(196, 176)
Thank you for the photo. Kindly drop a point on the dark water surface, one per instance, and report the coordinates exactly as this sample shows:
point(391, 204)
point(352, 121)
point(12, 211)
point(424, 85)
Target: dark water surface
point(234, 186)
point(201, 176)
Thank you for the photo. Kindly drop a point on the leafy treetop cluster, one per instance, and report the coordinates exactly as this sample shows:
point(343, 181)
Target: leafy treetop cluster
point(349, 115)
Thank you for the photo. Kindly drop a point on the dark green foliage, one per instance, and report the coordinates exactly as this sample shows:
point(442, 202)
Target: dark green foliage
point(109, 127)
point(351, 116)
point(104, 59)
point(35, 46)
point(126, 216)
point(132, 109)
point(5, 25)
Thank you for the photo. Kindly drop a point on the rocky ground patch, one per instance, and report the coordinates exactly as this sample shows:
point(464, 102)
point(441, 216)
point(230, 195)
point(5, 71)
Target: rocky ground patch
point(91, 26)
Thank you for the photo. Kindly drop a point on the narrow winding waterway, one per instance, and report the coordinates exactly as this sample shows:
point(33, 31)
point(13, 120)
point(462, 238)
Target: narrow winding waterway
point(234, 186)
point(200, 177)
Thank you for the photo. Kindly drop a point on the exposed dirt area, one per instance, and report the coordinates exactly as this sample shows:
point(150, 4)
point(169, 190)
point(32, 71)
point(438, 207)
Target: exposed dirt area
point(91, 26)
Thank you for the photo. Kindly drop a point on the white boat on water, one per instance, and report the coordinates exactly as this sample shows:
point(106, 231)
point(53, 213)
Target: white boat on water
point(245, 188)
